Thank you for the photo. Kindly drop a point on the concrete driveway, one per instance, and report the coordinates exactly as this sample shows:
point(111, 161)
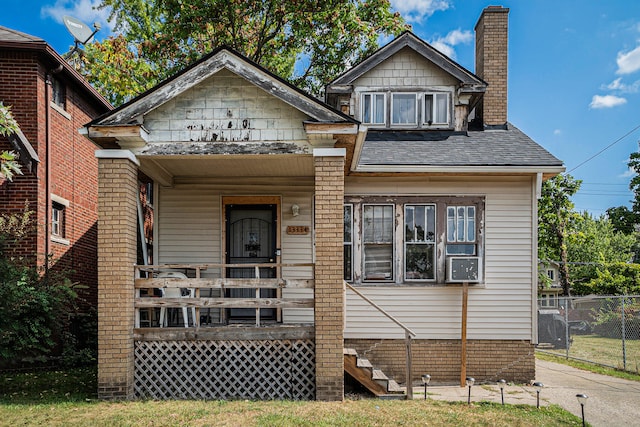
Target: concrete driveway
point(612, 401)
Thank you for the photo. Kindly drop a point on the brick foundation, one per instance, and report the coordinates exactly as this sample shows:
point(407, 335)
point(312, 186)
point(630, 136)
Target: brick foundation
point(487, 360)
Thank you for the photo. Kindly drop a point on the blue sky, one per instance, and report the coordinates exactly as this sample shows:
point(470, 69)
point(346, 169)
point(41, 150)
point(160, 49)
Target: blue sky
point(574, 72)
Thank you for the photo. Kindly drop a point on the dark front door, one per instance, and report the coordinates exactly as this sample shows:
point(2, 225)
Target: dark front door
point(251, 239)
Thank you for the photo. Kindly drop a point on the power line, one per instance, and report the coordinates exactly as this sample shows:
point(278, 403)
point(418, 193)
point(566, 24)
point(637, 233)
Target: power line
point(606, 148)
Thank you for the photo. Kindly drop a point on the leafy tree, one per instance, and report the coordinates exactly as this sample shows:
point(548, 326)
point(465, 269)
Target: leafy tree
point(618, 278)
point(593, 245)
point(8, 126)
point(623, 219)
point(308, 42)
point(557, 219)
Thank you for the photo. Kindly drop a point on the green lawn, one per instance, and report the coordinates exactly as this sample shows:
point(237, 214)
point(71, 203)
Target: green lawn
point(605, 351)
point(66, 398)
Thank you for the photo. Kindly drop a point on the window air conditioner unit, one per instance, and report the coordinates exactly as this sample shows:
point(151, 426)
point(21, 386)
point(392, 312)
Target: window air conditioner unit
point(464, 269)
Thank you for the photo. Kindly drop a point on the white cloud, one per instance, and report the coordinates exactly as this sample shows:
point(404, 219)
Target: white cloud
point(447, 43)
point(416, 10)
point(606, 101)
point(628, 62)
point(629, 173)
point(557, 132)
point(85, 10)
point(621, 87)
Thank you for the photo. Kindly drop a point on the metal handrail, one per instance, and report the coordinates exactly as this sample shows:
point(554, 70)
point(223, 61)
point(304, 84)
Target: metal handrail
point(381, 310)
point(408, 333)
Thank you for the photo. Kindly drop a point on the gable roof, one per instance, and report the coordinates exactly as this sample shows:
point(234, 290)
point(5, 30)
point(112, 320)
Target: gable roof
point(15, 40)
point(410, 40)
point(132, 112)
point(426, 151)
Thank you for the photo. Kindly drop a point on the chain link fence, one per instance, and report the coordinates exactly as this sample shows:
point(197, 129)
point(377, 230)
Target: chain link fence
point(599, 329)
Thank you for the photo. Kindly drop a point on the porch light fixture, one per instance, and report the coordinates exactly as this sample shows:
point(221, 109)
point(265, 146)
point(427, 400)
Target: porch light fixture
point(469, 381)
point(582, 399)
point(295, 210)
point(538, 386)
point(502, 384)
point(426, 378)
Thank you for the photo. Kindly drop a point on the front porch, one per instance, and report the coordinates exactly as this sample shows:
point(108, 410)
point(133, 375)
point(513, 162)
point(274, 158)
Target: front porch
point(220, 358)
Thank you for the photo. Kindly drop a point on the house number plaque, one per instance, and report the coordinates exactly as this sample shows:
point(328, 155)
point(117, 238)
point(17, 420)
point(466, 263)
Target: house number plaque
point(297, 229)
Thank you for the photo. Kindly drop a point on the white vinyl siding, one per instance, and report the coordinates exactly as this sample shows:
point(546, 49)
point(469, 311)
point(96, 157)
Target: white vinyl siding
point(188, 223)
point(501, 308)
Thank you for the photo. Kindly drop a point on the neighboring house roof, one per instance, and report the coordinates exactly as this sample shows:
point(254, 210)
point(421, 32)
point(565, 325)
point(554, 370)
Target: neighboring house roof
point(469, 81)
point(415, 151)
point(27, 155)
point(224, 57)
point(15, 40)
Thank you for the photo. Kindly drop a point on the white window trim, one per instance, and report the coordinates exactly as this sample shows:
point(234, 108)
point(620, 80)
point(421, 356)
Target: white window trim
point(448, 109)
point(415, 109)
point(65, 203)
point(384, 108)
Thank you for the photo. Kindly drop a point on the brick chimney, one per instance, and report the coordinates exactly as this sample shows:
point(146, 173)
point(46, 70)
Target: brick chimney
point(491, 64)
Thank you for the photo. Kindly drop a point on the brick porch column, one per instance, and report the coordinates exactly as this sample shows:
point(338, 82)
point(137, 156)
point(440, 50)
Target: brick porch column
point(117, 234)
point(329, 296)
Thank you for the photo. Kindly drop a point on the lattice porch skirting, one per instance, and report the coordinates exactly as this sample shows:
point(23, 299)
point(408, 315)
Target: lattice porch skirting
point(256, 369)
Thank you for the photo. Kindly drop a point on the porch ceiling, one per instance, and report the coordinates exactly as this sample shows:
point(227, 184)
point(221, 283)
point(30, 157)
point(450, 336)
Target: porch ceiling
point(166, 169)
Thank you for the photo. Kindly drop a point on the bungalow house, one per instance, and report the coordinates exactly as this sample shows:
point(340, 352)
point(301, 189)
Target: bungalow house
point(396, 221)
point(50, 100)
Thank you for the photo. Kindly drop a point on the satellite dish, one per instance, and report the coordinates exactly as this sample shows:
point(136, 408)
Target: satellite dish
point(80, 31)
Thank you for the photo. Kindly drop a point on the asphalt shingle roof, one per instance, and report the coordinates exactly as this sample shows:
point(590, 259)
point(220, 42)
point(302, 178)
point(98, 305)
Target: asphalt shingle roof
point(9, 35)
point(505, 147)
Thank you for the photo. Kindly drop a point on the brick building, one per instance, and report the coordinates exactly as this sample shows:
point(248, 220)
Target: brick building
point(50, 101)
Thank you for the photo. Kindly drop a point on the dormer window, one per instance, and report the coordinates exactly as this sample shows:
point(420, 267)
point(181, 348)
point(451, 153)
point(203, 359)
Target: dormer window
point(412, 110)
point(403, 109)
point(373, 108)
point(436, 109)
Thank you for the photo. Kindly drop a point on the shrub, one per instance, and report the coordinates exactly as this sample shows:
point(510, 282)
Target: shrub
point(608, 322)
point(34, 311)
